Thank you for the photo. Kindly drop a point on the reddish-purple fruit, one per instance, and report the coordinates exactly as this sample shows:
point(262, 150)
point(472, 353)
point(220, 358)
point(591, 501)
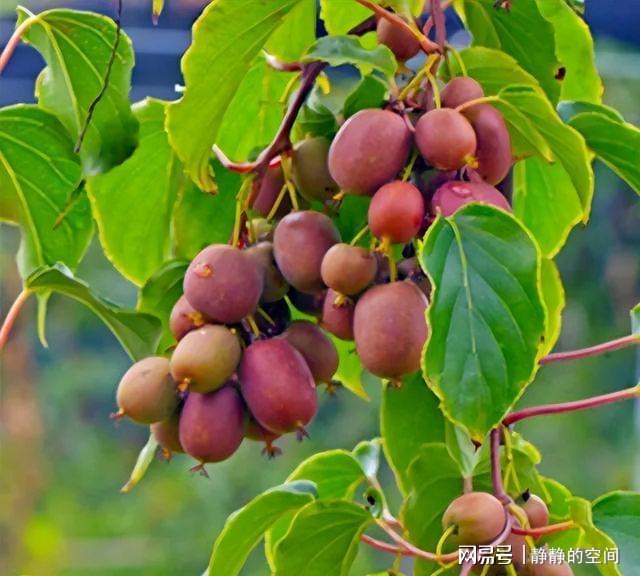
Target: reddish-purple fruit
point(337, 315)
point(445, 139)
point(206, 358)
point(260, 434)
point(277, 386)
point(452, 196)
point(478, 518)
point(536, 510)
point(212, 425)
point(224, 283)
point(310, 170)
point(390, 329)
point(396, 212)
point(274, 285)
point(370, 149)
point(348, 269)
point(146, 392)
point(308, 303)
point(167, 434)
point(316, 347)
point(409, 269)
point(493, 150)
point(184, 318)
point(551, 570)
point(459, 91)
point(300, 242)
point(400, 41)
point(269, 189)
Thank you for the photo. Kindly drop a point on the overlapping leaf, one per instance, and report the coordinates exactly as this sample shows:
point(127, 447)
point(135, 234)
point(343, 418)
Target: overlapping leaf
point(77, 47)
point(486, 316)
point(39, 174)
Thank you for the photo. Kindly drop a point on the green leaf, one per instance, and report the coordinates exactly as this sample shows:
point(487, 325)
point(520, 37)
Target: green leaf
point(436, 481)
point(616, 143)
point(201, 219)
point(461, 449)
point(38, 174)
point(409, 418)
point(138, 333)
point(340, 50)
point(245, 528)
point(367, 453)
point(574, 48)
point(133, 203)
point(618, 515)
point(569, 109)
point(322, 540)
point(554, 301)
point(522, 32)
point(492, 68)
point(486, 315)
point(77, 48)
point(298, 31)
point(350, 371)
point(340, 17)
point(226, 38)
point(145, 458)
point(160, 293)
point(369, 93)
point(336, 473)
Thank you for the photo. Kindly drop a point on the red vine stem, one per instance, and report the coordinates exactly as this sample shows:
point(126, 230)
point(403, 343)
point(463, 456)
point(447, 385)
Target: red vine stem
point(426, 45)
point(593, 402)
point(13, 42)
point(544, 530)
point(496, 468)
point(12, 316)
point(596, 350)
point(437, 13)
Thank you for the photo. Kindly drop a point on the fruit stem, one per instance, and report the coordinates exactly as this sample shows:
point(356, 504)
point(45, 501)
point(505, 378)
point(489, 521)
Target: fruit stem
point(286, 170)
point(13, 42)
point(476, 101)
point(408, 549)
point(409, 167)
point(496, 469)
point(436, 91)
point(443, 539)
point(437, 13)
point(12, 316)
point(426, 45)
point(283, 191)
point(459, 60)
point(544, 530)
point(596, 350)
point(562, 408)
point(359, 236)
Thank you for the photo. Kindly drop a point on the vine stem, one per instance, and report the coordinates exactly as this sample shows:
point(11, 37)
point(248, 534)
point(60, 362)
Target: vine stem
point(426, 45)
point(544, 530)
point(496, 468)
point(13, 42)
point(411, 550)
point(437, 13)
point(562, 408)
point(596, 350)
point(12, 316)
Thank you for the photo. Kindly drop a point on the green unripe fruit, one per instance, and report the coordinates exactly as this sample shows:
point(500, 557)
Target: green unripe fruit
point(478, 518)
point(206, 358)
point(274, 285)
point(310, 170)
point(212, 425)
point(146, 392)
point(315, 346)
point(536, 510)
point(348, 269)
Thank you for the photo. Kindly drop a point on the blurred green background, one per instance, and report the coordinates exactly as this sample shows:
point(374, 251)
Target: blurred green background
point(63, 461)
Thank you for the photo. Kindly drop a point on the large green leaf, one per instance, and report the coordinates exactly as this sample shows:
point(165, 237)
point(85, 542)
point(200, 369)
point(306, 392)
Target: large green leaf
point(133, 203)
point(339, 50)
point(486, 315)
point(616, 143)
point(554, 300)
point(322, 540)
point(618, 515)
point(409, 418)
point(201, 219)
point(226, 38)
point(138, 333)
point(77, 47)
point(521, 32)
point(574, 48)
point(340, 17)
point(39, 174)
point(246, 527)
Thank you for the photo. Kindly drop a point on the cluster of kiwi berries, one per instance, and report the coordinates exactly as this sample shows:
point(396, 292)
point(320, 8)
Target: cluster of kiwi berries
point(479, 518)
point(241, 368)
